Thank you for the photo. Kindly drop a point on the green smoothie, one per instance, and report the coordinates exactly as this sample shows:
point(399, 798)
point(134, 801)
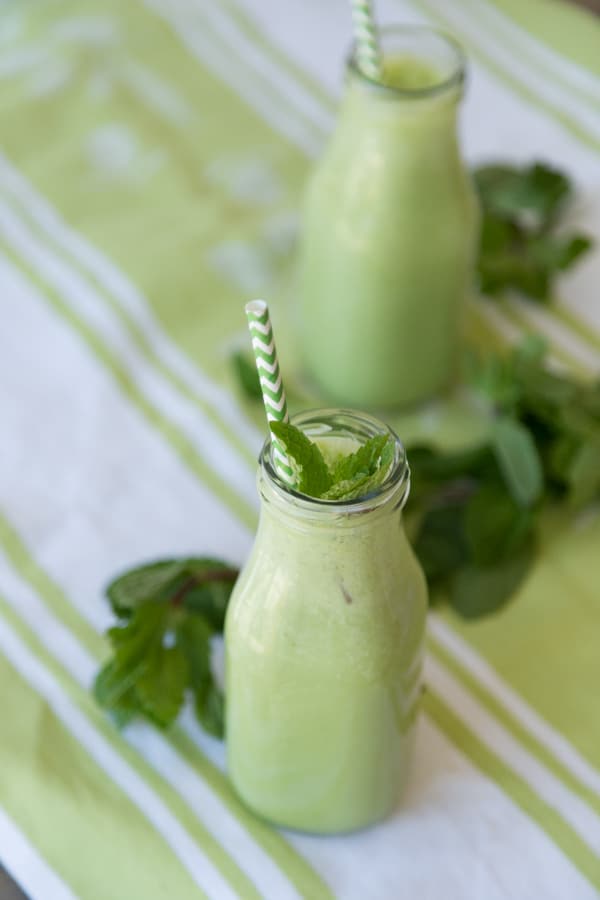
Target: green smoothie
point(323, 653)
point(389, 231)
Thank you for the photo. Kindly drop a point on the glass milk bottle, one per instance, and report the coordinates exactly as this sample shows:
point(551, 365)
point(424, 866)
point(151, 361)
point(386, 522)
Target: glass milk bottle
point(323, 637)
point(389, 230)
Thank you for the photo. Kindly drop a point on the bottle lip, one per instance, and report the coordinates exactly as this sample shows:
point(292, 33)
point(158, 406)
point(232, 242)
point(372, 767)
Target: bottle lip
point(341, 423)
point(454, 79)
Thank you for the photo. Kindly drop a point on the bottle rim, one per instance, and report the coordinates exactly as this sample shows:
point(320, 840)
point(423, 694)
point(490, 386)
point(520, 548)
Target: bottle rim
point(341, 423)
point(454, 79)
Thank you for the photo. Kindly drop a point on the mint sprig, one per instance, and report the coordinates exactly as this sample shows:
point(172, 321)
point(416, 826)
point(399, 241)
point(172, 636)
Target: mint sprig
point(168, 612)
point(350, 476)
point(477, 511)
point(520, 246)
point(314, 477)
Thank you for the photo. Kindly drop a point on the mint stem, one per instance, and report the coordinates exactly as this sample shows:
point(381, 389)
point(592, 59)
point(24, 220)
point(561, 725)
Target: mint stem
point(202, 578)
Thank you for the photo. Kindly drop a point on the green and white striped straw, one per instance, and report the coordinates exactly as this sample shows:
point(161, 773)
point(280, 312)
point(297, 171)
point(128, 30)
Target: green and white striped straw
point(265, 354)
point(368, 55)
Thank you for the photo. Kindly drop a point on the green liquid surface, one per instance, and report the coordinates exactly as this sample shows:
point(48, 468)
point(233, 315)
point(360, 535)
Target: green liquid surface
point(409, 73)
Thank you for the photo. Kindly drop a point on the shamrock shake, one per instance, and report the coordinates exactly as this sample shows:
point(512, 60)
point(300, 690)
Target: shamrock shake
point(324, 637)
point(389, 230)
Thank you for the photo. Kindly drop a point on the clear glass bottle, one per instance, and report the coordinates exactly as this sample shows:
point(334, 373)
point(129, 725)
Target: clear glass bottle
point(323, 640)
point(389, 230)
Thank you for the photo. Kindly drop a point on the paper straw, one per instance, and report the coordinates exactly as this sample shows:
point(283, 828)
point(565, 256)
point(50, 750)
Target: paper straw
point(368, 56)
point(265, 354)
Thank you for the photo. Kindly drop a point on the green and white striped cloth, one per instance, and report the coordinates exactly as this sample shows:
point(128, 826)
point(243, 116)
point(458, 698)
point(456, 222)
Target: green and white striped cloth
point(153, 155)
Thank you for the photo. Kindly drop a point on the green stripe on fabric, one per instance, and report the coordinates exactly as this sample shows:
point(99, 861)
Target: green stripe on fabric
point(584, 329)
point(297, 870)
point(24, 563)
point(524, 91)
point(83, 700)
point(520, 319)
point(571, 30)
point(48, 777)
point(163, 425)
point(482, 332)
point(503, 715)
point(254, 31)
point(516, 787)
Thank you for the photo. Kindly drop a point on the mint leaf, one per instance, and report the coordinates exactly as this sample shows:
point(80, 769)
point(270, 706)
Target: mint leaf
point(533, 194)
point(142, 632)
point(247, 375)
point(194, 637)
point(360, 474)
point(200, 583)
point(144, 583)
point(495, 526)
point(481, 590)
point(210, 710)
point(350, 488)
point(113, 682)
point(518, 459)
point(169, 611)
point(363, 462)
point(518, 247)
point(204, 586)
point(126, 708)
point(314, 476)
point(440, 544)
point(160, 688)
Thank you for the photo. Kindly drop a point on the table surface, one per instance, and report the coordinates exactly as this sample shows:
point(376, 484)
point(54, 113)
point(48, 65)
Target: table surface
point(152, 164)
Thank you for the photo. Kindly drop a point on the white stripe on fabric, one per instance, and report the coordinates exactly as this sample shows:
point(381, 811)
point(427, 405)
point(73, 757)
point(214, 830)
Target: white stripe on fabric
point(199, 866)
point(579, 815)
point(88, 305)
point(27, 867)
point(58, 233)
point(455, 836)
point(94, 466)
point(224, 65)
point(100, 537)
point(486, 676)
point(306, 103)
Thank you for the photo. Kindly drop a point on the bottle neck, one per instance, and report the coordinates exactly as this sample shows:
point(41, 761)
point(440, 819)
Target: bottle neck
point(419, 88)
point(280, 510)
point(332, 429)
point(367, 111)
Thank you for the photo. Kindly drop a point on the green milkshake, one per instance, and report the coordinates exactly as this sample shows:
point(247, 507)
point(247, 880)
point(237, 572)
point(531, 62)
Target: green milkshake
point(389, 230)
point(324, 636)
